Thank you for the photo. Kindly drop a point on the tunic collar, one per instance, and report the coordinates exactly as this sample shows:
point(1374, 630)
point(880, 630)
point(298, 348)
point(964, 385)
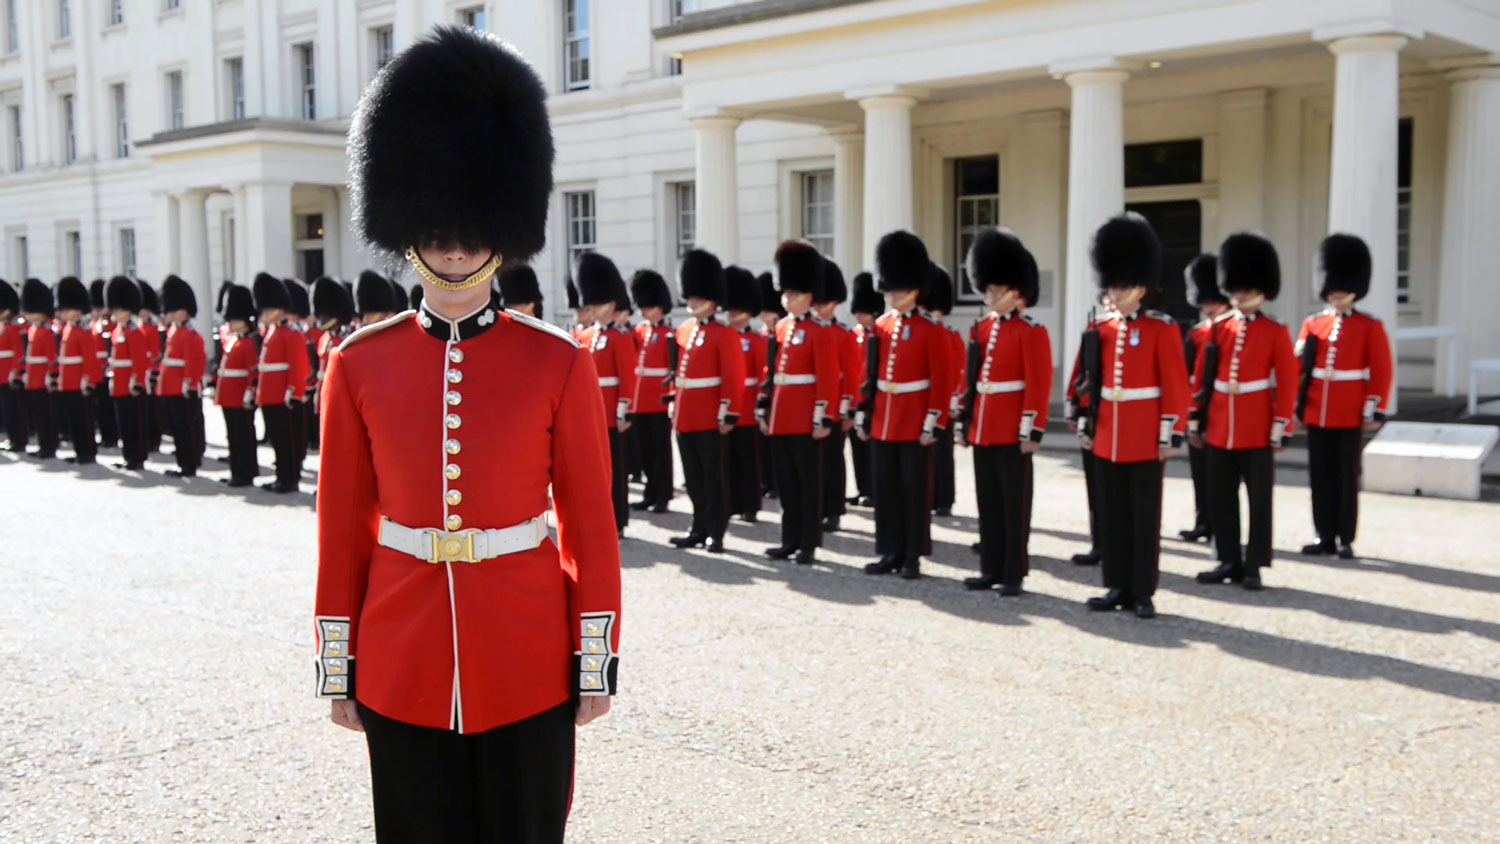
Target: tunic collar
point(468, 327)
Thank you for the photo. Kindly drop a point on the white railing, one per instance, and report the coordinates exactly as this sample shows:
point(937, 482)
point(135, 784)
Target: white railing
point(1436, 332)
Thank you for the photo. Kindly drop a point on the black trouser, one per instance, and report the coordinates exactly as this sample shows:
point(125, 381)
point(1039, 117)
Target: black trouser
point(633, 452)
point(512, 784)
point(1130, 524)
point(312, 421)
point(151, 414)
point(131, 425)
point(12, 409)
point(80, 412)
point(654, 434)
point(296, 413)
point(279, 430)
point(767, 465)
point(1226, 469)
point(943, 492)
point(1002, 485)
point(859, 453)
point(187, 432)
point(104, 415)
point(1197, 463)
point(834, 474)
point(703, 471)
point(1333, 469)
point(41, 412)
point(1090, 484)
point(617, 488)
point(902, 475)
point(239, 428)
point(796, 462)
point(742, 469)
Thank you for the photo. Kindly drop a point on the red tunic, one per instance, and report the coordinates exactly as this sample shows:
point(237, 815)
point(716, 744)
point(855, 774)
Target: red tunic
point(77, 367)
point(614, 361)
point(151, 334)
point(1351, 383)
point(515, 408)
point(710, 376)
point(283, 365)
point(1015, 381)
point(41, 355)
point(12, 351)
point(915, 377)
point(128, 360)
point(753, 347)
point(1145, 391)
point(1254, 390)
point(101, 328)
point(183, 365)
point(851, 368)
point(237, 371)
point(805, 385)
point(653, 365)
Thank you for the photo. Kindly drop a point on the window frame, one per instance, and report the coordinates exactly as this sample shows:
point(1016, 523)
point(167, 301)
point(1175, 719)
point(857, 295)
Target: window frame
point(809, 206)
point(17, 138)
point(64, 10)
point(574, 223)
point(120, 103)
point(382, 46)
point(234, 80)
point(572, 38)
point(963, 236)
point(684, 216)
point(126, 244)
point(475, 17)
point(12, 29)
point(306, 68)
point(68, 108)
point(23, 256)
point(73, 246)
point(176, 100)
point(115, 14)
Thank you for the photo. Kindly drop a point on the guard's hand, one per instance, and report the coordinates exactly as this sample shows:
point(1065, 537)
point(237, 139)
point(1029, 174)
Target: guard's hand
point(1195, 440)
point(1030, 447)
point(1087, 442)
point(847, 425)
point(1073, 425)
point(1372, 426)
point(765, 429)
point(927, 439)
point(864, 436)
point(591, 708)
point(726, 429)
point(1166, 452)
point(345, 713)
point(821, 433)
point(622, 425)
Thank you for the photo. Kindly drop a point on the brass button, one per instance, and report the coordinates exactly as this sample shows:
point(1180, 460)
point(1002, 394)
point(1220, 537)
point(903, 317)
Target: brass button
point(454, 398)
point(453, 421)
point(452, 447)
point(453, 523)
point(456, 355)
point(454, 498)
point(454, 376)
point(451, 472)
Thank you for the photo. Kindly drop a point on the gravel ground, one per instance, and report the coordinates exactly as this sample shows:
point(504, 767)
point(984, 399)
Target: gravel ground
point(155, 682)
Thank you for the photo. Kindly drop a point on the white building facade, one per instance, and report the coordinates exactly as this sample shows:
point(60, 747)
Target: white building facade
point(206, 136)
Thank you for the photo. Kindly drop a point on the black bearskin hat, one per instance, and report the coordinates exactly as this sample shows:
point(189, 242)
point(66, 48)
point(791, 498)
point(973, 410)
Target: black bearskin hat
point(519, 286)
point(485, 184)
point(1247, 261)
point(997, 258)
point(296, 293)
point(834, 289)
point(1344, 266)
point(1031, 296)
point(572, 294)
point(148, 297)
point(1126, 253)
point(770, 300)
point(238, 303)
point(414, 296)
point(331, 301)
point(800, 268)
point(650, 290)
point(938, 295)
point(71, 294)
point(96, 293)
point(901, 262)
point(122, 294)
point(866, 299)
point(701, 274)
point(742, 292)
point(1202, 275)
point(10, 302)
point(599, 281)
point(177, 295)
point(400, 298)
point(372, 294)
point(270, 292)
point(36, 298)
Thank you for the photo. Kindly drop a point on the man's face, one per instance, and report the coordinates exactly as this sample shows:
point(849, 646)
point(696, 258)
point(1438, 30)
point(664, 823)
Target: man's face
point(652, 315)
point(527, 308)
point(180, 315)
point(702, 309)
point(239, 326)
point(901, 300)
point(121, 316)
point(1211, 310)
point(1001, 299)
point(769, 318)
point(271, 316)
point(583, 316)
point(739, 319)
point(1340, 299)
point(795, 303)
point(1247, 301)
point(1125, 298)
point(604, 313)
point(69, 314)
point(867, 320)
point(826, 310)
point(453, 261)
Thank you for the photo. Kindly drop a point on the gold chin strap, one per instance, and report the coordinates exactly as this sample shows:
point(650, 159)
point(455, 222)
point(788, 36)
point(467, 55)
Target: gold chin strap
point(480, 276)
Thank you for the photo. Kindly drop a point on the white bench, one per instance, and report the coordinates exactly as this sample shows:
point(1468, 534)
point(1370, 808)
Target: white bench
point(1435, 332)
point(1419, 458)
point(1477, 366)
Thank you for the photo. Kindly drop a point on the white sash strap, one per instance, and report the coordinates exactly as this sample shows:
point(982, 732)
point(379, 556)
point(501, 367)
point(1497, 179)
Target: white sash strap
point(70, 361)
point(989, 388)
point(609, 381)
point(1235, 388)
point(652, 372)
point(1130, 393)
point(1341, 374)
point(469, 546)
point(898, 387)
point(275, 367)
point(698, 383)
point(234, 373)
point(784, 380)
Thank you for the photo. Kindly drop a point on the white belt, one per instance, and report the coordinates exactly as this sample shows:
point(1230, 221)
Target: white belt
point(897, 387)
point(782, 379)
point(118, 364)
point(698, 383)
point(234, 373)
point(35, 359)
point(101, 354)
point(69, 361)
point(7, 355)
point(609, 381)
point(173, 362)
point(752, 382)
point(1235, 388)
point(467, 546)
point(275, 367)
point(1131, 393)
point(989, 388)
point(1341, 374)
point(653, 373)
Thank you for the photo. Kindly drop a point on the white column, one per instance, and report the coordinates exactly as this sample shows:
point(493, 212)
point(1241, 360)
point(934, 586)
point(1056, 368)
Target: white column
point(201, 85)
point(333, 235)
point(1362, 173)
point(888, 184)
point(1042, 181)
point(193, 261)
point(1242, 162)
point(326, 58)
point(848, 201)
point(268, 229)
point(353, 259)
point(1468, 295)
point(167, 240)
point(1096, 187)
point(241, 269)
point(716, 207)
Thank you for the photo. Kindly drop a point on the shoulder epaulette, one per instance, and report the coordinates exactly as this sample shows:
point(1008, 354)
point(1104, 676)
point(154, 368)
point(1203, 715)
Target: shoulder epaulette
point(374, 328)
point(539, 325)
point(1028, 318)
point(1364, 314)
point(1221, 317)
point(1158, 315)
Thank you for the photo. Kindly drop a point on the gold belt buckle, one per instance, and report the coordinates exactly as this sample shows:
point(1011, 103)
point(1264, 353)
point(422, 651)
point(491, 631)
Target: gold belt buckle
point(1234, 388)
point(452, 548)
point(1118, 394)
point(890, 387)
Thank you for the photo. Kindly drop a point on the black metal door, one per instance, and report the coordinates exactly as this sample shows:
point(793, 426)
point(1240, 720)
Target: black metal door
point(1179, 227)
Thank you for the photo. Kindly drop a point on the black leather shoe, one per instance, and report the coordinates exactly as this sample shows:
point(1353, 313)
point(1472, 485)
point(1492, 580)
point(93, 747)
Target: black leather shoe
point(177, 473)
point(831, 524)
point(805, 558)
point(239, 482)
point(640, 506)
point(660, 508)
point(1346, 552)
point(714, 546)
point(865, 501)
point(780, 553)
point(911, 570)
point(1010, 590)
point(1092, 558)
point(1224, 571)
point(983, 582)
point(1252, 581)
point(1319, 548)
point(885, 565)
point(692, 540)
point(977, 547)
point(748, 518)
point(1145, 609)
point(1112, 600)
point(42, 455)
point(278, 487)
point(1196, 534)
point(945, 512)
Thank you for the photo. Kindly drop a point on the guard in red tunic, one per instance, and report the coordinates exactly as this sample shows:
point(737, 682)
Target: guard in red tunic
point(800, 410)
point(308, 322)
point(181, 384)
point(710, 381)
point(1142, 412)
point(102, 327)
point(937, 302)
point(150, 328)
point(283, 366)
point(520, 292)
point(373, 299)
point(851, 380)
point(1078, 407)
point(77, 368)
point(40, 380)
point(1203, 277)
point(129, 365)
point(1004, 405)
point(771, 313)
point(742, 445)
point(1345, 390)
point(656, 363)
point(600, 289)
point(299, 409)
point(472, 636)
point(909, 386)
point(12, 369)
point(867, 306)
point(1247, 375)
point(234, 391)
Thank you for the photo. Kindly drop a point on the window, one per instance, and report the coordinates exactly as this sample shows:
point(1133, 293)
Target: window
point(685, 197)
point(474, 17)
point(18, 153)
point(23, 259)
point(309, 81)
point(70, 130)
point(675, 10)
point(385, 45)
point(580, 214)
point(64, 19)
point(122, 128)
point(176, 119)
point(229, 248)
point(127, 251)
point(1403, 213)
point(172, 5)
point(976, 197)
point(116, 12)
point(312, 227)
point(817, 209)
point(1170, 163)
point(576, 44)
point(12, 29)
point(234, 72)
point(75, 253)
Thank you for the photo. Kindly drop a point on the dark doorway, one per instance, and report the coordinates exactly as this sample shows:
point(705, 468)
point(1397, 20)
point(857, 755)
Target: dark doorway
point(312, 263)
point(1179, 227)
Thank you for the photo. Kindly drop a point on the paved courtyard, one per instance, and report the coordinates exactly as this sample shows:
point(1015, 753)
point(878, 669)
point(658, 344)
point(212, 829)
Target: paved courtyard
point(155, 680)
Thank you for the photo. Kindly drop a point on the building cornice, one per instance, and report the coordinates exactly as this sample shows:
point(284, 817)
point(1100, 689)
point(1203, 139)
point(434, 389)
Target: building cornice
point(316, 133)
point(743, 13)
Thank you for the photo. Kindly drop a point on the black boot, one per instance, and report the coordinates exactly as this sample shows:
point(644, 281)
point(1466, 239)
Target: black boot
point(1198, 533)
point(982, 582)
point(885, 565)
point(1010, 590)
point(805, 558)
point(911, 569)
point(1145, 609)
point(1112, 600)
point(715, 546)
point(692, 540)
point(1252, 580)
point(1314, 549)
point(780, 552)
point(1092, 558)
point(1225, 571)
point(1346, 551)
